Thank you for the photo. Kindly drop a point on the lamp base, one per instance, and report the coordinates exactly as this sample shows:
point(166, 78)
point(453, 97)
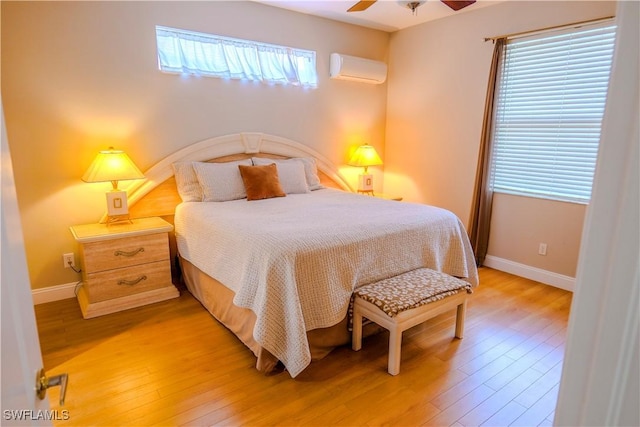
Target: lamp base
point(114, 219)
point(365, 183)
point(117, 207)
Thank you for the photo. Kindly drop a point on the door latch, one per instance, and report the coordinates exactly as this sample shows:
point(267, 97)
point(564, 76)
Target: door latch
point(43, 383)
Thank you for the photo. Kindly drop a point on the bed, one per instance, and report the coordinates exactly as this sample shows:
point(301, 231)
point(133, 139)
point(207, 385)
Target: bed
point(280, 271)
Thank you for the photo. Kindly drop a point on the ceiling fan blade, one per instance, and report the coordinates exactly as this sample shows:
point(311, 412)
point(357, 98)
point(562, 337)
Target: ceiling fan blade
point(361, 5)
point(458, 4)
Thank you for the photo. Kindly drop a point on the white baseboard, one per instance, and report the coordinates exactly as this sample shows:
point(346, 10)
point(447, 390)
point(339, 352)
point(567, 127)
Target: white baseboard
point(543, 276)
point(54, 293)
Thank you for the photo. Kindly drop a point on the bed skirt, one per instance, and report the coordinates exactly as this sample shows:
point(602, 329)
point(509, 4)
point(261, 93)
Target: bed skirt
point(218, 300)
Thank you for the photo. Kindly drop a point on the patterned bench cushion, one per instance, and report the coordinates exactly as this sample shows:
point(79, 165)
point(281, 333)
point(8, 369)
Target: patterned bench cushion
point(410, 290)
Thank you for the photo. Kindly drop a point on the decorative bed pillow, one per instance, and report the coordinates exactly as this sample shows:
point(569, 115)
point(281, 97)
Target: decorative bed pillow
point(310, 169)
point(221, 182)
point(311, 172)
point(187, 182)
point(292, 177)
point(261, 182)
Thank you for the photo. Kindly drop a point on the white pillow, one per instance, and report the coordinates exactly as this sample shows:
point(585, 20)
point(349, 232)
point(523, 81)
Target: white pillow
point(311, 172)
point(187, 182)
point(291, 174)
point(310, 168)
point(221, 181)
point(292, 177)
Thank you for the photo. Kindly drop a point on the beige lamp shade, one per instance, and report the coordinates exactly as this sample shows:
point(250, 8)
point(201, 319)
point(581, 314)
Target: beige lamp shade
point(365, 156)
point(112, 165)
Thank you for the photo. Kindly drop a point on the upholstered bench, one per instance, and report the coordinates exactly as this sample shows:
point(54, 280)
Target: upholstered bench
point(401, 302)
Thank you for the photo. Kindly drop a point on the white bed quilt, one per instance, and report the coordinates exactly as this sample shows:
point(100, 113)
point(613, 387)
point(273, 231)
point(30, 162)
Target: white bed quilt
point(295, 260)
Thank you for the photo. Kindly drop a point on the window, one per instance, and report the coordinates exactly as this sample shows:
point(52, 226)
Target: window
point(181, 51)
point(551, 97)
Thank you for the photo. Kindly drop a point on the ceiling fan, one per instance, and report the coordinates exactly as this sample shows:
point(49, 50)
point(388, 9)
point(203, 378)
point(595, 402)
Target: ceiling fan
point(453, 4)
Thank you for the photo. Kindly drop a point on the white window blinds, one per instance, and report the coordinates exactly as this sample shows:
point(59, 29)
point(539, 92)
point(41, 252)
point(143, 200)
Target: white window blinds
point(181, 51)
point(551, 97)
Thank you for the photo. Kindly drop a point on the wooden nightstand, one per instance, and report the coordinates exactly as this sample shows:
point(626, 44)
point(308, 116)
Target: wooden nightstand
point(388, 197)
point(380, 195)
point(124, 265)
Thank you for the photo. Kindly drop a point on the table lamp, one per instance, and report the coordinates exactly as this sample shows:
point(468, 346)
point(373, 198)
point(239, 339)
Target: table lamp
point(366, 156)
point(113, 165)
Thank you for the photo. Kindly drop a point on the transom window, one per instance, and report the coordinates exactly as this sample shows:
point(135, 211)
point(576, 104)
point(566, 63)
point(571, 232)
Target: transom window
point(181, 51)
point(551, 97)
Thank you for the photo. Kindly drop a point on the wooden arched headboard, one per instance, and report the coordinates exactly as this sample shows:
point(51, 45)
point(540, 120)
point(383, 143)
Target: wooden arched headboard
point(157, 194)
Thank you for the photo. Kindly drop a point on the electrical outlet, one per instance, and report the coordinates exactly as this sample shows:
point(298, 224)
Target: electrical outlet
point(542, 249)
point(69, 260)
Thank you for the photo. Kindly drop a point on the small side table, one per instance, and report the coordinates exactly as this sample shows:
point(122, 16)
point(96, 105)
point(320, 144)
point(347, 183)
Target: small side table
point(388, 197)
point(380, 195)
point(124, 265)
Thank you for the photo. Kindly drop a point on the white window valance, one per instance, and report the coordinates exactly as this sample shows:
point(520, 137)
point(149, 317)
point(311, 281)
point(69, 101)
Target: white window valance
point(181, 51)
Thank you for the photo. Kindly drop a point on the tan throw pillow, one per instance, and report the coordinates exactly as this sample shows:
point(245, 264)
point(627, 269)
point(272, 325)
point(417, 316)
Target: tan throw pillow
point(261, 182)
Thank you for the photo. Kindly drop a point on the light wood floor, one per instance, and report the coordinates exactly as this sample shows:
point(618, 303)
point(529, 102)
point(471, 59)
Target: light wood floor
point(171, 363)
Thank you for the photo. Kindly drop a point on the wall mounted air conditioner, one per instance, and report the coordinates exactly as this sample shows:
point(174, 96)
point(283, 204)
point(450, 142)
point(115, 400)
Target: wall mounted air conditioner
point(357, 69)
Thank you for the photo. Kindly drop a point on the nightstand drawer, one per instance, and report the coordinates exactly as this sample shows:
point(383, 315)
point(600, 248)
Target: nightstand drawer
point(127, 281)
point(128, 251)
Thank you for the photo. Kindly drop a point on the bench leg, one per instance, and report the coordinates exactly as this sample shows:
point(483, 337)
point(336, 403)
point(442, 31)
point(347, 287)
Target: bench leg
point(460, 315)
point(356, 336)
point(395, 343)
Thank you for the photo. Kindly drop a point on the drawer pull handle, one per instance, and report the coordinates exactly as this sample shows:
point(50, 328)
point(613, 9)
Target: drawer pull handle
point(128, 254)
point(132, 282)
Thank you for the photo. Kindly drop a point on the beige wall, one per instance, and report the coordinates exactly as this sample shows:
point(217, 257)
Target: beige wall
point(80, 76)
point(519, 224)
point(436, 92)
